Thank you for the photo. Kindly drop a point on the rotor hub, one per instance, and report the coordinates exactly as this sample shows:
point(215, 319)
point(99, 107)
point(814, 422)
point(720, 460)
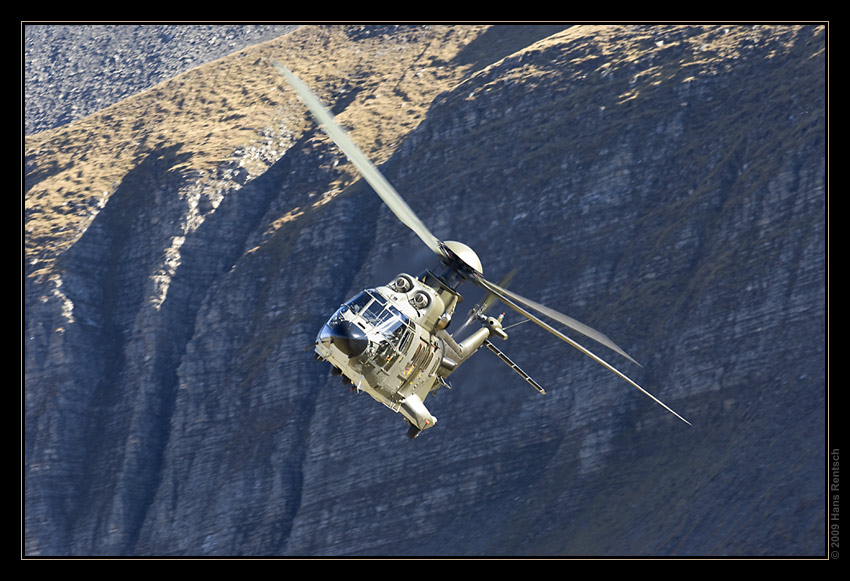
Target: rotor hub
point(463, 254)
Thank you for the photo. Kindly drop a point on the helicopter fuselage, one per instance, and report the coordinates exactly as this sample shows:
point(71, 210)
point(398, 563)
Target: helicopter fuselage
point(391, 342)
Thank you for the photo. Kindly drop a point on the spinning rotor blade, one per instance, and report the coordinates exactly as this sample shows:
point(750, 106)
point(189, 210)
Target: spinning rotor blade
point(515, 301)
point(369, 172)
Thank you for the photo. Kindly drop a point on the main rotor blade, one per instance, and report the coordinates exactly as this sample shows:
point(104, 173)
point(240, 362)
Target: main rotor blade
point(584, 350)
point(554, 315)
point(369, 172)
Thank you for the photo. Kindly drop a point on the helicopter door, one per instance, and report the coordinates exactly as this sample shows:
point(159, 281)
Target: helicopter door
point(418, 363)
point(394, 350)
point(412, 364)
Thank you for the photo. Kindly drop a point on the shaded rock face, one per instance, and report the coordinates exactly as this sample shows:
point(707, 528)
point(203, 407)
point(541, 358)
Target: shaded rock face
point(664, 185)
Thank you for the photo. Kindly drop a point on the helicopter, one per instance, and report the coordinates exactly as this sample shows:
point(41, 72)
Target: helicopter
point(391, 341)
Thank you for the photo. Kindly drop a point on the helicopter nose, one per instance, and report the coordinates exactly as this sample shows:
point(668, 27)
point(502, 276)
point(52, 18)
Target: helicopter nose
point(347, 337)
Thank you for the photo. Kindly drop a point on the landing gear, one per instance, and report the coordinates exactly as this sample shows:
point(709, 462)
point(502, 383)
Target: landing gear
point(413, 432)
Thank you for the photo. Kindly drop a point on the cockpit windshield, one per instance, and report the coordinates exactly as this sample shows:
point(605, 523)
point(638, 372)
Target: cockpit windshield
point(385, 319)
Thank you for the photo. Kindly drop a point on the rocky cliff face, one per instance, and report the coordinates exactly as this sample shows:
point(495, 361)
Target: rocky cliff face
point(665, 185)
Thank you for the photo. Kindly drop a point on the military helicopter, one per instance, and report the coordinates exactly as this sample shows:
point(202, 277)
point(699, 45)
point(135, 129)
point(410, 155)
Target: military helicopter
point(391, 341)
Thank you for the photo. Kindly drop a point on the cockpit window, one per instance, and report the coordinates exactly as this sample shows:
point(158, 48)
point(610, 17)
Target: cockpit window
point(386, 319)
point(389, 329)
point(394, 329)
point(357, 303)
point(391, 324)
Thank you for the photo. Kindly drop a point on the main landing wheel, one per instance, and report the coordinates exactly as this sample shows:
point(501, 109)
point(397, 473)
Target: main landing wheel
point(413, 432)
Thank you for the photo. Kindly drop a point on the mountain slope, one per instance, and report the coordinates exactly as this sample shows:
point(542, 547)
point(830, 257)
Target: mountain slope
point(663, 184)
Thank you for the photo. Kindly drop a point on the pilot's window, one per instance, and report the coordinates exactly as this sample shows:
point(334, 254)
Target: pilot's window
point(395, 345)
point(405, 340)
point(372, 313)
point(357, 303)
point(390, 322)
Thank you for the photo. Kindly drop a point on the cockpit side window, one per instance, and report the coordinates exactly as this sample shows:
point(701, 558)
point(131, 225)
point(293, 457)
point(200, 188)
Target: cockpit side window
point(359, 302)
point(396, 332)
point(375, 312)
point(355, 305)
